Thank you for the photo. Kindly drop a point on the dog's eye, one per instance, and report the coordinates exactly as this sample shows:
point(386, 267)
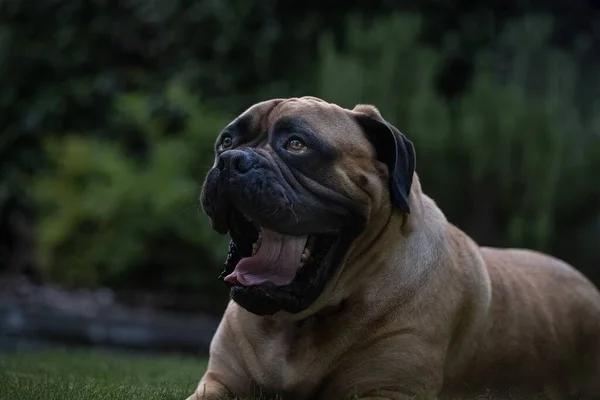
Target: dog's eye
point(296, 146)
point(226, 142)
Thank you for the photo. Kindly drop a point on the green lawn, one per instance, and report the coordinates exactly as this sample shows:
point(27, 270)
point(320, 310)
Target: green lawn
point(75, 375)
point(94, 375)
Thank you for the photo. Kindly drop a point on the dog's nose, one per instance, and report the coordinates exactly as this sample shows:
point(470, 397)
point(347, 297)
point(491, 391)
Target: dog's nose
point(237, 160)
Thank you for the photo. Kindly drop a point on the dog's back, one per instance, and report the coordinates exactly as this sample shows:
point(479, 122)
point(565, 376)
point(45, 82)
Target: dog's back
point(543, 325)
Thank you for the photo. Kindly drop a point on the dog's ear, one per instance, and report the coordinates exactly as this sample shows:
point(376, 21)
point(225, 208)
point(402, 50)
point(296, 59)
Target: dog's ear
point(393, 149)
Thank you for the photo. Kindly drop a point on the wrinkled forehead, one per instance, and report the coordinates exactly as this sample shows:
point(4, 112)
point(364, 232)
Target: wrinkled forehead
point(329, 121)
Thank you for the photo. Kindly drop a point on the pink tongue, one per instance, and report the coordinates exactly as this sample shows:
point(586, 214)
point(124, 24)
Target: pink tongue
point(277, 261)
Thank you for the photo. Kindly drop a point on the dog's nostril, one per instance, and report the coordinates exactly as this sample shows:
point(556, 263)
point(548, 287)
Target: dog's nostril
point(237, 161)
point(244, 163)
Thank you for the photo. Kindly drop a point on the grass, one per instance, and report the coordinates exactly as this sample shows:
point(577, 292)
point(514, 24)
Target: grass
point(93, 375)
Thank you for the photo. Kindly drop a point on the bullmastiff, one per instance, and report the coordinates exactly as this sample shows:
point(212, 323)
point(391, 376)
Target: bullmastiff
point(348, 282)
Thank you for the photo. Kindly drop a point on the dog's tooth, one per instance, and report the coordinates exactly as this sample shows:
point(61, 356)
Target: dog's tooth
point(307, 252)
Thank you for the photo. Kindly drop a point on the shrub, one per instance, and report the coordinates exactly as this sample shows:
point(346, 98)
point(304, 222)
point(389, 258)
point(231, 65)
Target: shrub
point(507, 159)
point(109, 215)
point(508, 149)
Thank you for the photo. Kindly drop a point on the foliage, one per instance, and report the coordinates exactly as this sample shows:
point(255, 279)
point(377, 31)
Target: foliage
point(106, 211)
point(63, 65)
point(498, 158)
point(105, 162)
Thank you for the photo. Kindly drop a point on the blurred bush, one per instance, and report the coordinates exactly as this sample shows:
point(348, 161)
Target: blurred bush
point(513, 157)
point(63, 64)
point(111, 217)
point(109, 112)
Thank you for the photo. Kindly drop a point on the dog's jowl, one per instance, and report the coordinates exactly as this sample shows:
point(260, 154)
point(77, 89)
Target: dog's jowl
point(347, 280)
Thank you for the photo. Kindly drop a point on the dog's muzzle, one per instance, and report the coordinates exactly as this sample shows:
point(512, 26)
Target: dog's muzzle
point(285, 241)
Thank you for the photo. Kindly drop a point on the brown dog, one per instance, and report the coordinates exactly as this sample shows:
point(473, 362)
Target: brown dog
point(390, 300)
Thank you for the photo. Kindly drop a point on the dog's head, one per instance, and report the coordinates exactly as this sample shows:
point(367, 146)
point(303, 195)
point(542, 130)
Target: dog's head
point(294, 183)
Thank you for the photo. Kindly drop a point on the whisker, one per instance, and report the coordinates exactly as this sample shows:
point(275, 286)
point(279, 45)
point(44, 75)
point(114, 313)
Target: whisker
point(291, 207)
point(274, 212)
point(192, 204)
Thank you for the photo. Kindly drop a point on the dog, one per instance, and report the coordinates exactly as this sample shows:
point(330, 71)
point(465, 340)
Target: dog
point(347, 281)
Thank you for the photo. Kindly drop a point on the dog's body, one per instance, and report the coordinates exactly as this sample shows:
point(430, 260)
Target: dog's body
point(415, 306)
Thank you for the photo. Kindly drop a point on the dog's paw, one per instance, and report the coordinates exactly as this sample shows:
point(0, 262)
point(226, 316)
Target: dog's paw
point(210, 391)
point(206, 396)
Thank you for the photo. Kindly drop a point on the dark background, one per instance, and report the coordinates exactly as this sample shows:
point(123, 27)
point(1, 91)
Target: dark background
point(109, 111)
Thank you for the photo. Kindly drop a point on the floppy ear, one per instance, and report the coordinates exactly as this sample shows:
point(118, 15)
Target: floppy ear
point(393, 149)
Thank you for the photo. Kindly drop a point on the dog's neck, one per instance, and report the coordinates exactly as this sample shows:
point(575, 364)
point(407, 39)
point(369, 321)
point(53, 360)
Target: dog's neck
point(392, 237)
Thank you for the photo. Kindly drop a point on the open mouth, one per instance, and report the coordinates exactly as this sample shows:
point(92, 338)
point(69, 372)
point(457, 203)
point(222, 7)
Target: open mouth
point(263, 257)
